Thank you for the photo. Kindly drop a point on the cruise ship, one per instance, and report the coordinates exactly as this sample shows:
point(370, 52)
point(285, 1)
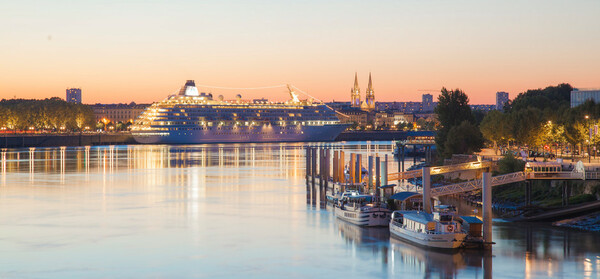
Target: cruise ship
point(191, 117)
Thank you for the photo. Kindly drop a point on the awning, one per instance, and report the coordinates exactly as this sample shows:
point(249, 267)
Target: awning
point(402, 196)
point(471, 219)
point(387, 186)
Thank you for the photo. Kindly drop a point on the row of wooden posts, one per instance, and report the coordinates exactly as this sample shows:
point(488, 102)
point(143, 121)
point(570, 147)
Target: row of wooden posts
point(329, 166)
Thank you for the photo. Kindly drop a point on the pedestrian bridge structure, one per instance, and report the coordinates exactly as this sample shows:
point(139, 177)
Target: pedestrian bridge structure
point(533, 171)
point(440, 170)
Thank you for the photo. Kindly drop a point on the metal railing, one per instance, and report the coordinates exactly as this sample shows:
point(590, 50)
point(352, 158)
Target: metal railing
point(472, 185)
point(440, 169)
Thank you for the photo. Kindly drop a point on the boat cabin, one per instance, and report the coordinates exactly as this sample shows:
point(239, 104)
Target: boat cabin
point(543, 167)
point(442, 217)
point(472, 225)
point(417, 221)
point(356, 200)
point(422, 222)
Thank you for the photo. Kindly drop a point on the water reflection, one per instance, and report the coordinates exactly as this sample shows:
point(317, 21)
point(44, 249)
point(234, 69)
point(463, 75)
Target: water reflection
point(206, 206)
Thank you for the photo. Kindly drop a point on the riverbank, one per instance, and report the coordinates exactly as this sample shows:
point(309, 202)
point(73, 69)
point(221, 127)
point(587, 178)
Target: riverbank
point(589, 222)
point(50, 140)
point(381, 135)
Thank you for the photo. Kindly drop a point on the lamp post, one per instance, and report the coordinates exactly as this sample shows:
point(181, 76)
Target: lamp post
point(587, 118)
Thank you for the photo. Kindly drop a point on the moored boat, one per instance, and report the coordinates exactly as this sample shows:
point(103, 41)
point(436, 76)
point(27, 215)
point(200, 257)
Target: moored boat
point(438, 230)
point(362, 210)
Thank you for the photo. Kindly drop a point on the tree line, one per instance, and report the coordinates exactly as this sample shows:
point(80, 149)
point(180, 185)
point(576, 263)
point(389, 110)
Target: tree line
point(53, 114)
point(536, 119)
point(543, 119)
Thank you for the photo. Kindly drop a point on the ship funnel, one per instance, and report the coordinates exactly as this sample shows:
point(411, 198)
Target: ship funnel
point(189, 89)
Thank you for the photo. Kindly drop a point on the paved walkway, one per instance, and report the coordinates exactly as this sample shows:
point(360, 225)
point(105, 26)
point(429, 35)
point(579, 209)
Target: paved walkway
point(489, 153)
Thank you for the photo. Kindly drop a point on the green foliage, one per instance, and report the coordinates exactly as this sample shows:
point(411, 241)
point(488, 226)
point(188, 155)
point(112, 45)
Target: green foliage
point(463, 139)
point(526, 125)
point(509, 164)
point(551, 97)
point(539, 117)
point(496, 127)
point(48, 114)
point(452, 110)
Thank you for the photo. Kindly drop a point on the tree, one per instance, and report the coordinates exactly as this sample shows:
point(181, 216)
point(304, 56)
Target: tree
point(452, 109)
point(496, 128)
point(463, 139)
point(510, 164)
point(551, 97)
point(526, 126)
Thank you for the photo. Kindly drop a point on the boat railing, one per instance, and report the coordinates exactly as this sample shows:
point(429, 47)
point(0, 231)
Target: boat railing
point(404, 226)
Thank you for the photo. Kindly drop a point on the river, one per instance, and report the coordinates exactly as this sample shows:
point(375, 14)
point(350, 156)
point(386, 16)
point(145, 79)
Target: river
point(232, 210)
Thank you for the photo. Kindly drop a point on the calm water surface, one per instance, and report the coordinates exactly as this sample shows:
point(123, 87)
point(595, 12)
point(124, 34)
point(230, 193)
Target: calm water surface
point(227, 211)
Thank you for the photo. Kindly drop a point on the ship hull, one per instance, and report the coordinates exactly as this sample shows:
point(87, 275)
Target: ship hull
point(241, 134)
point(374, 217)
point(436, 241)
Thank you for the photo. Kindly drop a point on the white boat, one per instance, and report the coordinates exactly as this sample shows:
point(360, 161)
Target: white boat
point(362, 210)
point(438, 230)
point(334, 198)
point(192, 117)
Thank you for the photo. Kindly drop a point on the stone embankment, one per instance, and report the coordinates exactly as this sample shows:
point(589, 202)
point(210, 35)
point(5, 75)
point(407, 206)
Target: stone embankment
point(48, 140)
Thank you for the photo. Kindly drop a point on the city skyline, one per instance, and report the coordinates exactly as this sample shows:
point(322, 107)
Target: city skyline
point(119, 52)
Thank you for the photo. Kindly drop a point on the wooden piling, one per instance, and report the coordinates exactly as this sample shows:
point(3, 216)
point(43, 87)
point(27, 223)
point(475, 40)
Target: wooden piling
point(351, 167)
point(384, 171)
point(370, 171)
point(313, 168)
point(377, 174)
point(341, 165)
point(308, 153)
point(426, 190)
point(486, 186)
point(327, 167)
point(335, 166)
point(358, 170)
point(321, 168)
point(414, 154)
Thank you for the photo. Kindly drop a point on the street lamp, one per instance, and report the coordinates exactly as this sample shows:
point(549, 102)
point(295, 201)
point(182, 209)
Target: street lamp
point(587, 118)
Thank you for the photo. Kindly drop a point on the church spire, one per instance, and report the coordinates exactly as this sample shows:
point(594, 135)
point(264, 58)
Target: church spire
point(355, 93)
point(370, 95)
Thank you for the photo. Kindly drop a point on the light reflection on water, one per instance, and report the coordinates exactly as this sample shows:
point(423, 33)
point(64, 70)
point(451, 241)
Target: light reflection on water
point(227, 211)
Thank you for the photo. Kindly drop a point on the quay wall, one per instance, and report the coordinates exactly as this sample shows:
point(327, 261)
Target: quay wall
point(48, 140)
point(380, 135)
point(17, 141)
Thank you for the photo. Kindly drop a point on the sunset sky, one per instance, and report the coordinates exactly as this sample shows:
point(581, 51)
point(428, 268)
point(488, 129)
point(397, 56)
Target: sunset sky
point(142, 51)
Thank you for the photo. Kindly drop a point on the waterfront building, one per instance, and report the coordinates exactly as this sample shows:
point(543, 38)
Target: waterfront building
point(501, 100)
point(427, 103)
point(483, 107)
point(73, 95)
point(580, 96)
point(354, 116)
point(425, 116)
point(391, 118)
point(406, 107)
point(116, 113)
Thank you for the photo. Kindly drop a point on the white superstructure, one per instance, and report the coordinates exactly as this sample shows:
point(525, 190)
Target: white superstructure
point(362, 210)
point(193, 117)
point(437, 230)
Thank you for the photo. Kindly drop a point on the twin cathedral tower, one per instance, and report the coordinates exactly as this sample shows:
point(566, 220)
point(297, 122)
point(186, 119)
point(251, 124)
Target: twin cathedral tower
point(369, 103)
